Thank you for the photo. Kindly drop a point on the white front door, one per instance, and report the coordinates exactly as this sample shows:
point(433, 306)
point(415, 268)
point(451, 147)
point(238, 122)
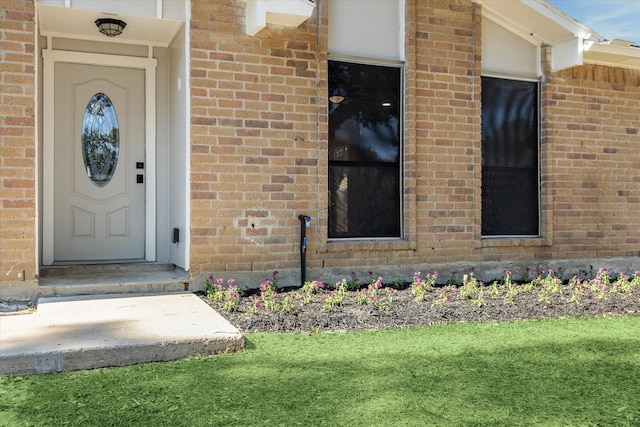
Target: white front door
point(99, 163)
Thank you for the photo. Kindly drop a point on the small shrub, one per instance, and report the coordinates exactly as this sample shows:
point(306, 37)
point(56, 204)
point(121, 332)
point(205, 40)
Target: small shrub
point(470, 286)
point(215, 290)
point(336, 297)
point(309, 289)
point(232, 299)
point(287, 302)
point(492, 290)
point(370, 295)
point(511, 288)
point(420, 287)
point(442, 297)
point(361, 297)
point(576, 287)
point(547, 285)
point(624, 285)
point(268, 295)
point(479, 301)
point(599, 285)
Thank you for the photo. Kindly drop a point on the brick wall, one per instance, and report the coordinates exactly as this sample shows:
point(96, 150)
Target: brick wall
point(259, 151)
point(592, 135)
point(17, 143)
point(447, 128)
point(255, 139)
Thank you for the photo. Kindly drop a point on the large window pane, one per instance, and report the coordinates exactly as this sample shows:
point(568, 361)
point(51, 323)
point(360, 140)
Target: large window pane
point(509, 157)
point(364, 150)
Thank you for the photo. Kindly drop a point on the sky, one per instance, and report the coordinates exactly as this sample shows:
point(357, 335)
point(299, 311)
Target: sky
point(612, 19)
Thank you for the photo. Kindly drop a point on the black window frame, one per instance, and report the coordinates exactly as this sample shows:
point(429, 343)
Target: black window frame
point(372, 206)
point(511, 195)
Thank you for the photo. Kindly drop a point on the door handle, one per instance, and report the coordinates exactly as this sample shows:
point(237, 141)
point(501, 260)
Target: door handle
point(139, 177)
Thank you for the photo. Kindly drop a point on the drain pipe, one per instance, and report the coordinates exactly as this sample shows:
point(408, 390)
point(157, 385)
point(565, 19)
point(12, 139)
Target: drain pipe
point(305, 221)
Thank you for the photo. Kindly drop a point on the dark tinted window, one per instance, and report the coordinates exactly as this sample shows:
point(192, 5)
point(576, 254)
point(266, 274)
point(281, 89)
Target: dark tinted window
point(364, 150)
point(509, 157)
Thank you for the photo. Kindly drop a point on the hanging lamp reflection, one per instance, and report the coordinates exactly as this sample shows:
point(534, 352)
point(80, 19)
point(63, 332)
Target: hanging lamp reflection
point(100, 139)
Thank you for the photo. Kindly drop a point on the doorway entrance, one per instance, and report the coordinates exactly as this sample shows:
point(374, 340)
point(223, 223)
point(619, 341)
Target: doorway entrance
point(98, 161)
point(99, 158)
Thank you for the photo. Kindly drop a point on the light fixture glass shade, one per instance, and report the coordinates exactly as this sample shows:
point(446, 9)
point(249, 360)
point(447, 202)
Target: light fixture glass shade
point(110, 27)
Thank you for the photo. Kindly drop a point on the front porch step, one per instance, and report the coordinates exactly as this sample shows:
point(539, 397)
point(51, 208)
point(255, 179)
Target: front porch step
point(98, 279)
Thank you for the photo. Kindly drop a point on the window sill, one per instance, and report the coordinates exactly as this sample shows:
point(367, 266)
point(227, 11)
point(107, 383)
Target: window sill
point(496, 242)
point(367, 245)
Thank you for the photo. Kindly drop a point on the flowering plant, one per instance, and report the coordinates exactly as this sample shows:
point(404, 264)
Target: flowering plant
point(547, 286)
point(215, 290)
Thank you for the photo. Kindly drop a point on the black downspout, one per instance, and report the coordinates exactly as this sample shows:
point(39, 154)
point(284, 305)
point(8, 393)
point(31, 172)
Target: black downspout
point(304, 224)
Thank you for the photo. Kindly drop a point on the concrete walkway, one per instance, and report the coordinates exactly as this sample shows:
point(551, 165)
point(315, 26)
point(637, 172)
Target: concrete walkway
point(72, 333)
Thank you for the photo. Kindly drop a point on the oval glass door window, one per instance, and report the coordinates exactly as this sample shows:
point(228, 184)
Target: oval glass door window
point(100, 139)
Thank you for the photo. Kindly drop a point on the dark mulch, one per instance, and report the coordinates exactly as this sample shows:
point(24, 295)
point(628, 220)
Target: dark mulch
point(403, 310)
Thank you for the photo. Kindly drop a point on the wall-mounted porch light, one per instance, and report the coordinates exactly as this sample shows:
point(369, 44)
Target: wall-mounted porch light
point(110, 27)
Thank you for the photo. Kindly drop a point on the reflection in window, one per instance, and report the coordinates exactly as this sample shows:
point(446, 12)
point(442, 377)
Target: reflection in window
point(510, 157)
point(364, 150)
point(100, 139)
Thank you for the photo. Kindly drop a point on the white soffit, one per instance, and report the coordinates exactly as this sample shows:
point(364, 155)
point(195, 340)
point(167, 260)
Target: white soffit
point(572, 43)
point(65, 22)
point(541, 24)
point(536, 21)
point(616, 53)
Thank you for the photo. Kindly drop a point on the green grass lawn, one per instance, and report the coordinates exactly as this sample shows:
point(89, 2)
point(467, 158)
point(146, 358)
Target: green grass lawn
point(568, 372)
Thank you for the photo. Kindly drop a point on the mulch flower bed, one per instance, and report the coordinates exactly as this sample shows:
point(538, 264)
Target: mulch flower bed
point(349, 306)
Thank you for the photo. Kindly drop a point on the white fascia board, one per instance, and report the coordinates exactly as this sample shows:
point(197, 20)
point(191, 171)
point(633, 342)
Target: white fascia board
point(613, 56)
point(567, 54)
point(256, 16)
point(288, 13)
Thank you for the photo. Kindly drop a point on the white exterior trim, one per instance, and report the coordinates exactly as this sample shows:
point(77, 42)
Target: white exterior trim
point(187, 188)
point(149, 65)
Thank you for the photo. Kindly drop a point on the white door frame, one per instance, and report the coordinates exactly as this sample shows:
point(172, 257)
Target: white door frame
point(149, 64)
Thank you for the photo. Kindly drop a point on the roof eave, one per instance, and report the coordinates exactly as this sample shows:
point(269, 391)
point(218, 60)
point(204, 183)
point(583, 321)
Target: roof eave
point(540, 23)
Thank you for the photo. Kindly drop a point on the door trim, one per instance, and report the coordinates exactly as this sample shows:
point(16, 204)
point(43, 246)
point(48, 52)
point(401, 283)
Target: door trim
point(50, 57)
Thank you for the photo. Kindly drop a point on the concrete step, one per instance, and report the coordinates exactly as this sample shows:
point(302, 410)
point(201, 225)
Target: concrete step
point(123, 278)
point(72, 333)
